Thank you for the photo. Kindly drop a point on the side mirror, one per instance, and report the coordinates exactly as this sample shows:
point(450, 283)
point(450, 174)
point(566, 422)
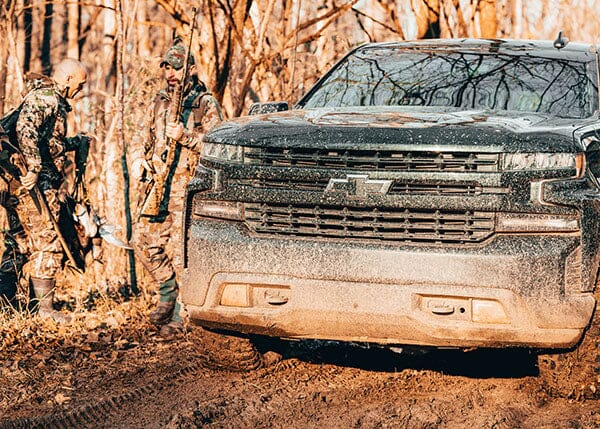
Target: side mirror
point(268, 107)
point(592, 155)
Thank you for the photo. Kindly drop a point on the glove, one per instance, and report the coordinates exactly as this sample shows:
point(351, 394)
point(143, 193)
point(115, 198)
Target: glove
point(29, 180)
point(138, 167)
point(84, 139)
point(85, 219)
point(174, 130)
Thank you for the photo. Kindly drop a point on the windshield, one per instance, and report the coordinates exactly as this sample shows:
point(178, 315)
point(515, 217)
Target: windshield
point(388, 76)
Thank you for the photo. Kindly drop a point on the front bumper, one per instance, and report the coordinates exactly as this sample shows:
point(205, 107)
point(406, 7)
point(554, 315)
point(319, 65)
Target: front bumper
point(510, 292)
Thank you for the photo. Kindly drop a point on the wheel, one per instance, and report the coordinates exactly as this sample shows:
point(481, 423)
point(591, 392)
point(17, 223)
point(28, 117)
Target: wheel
point(574, 374)
point(238, 352)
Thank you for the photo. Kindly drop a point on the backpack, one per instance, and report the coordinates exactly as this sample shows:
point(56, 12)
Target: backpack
point(8, 131)
point(9, 144)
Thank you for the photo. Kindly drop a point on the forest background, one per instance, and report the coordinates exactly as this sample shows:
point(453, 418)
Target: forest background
point(247, 51)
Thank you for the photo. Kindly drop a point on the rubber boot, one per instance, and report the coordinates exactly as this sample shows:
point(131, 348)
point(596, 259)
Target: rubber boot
point(162, 313)
point(171, 330)
point(43, 290)
point(175, 326)
point(164, 310)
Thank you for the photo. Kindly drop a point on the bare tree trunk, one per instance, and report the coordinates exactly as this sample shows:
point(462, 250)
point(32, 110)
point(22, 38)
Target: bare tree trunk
point(452, 23)
point(222, 63)
point(294, 60)
point(517, 16)
point(16, 45)
point(60, 24)
point(73, 24)
point(488, 18)
point(3, 65)
point(27, 27)
point(120, 95)
point(6, 11)
point(47, 39)
point(143, 37)
point(427, 16)
point(113, 108)
point(108, 44)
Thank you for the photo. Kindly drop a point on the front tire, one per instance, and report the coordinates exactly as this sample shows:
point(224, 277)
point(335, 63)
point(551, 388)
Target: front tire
point(238, 352)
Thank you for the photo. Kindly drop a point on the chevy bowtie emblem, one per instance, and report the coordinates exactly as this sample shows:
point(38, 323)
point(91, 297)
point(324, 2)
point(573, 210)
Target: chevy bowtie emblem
point(358, 185)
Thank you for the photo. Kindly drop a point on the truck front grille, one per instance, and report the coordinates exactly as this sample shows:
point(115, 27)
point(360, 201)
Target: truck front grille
point(358, 159)
point(384, 224)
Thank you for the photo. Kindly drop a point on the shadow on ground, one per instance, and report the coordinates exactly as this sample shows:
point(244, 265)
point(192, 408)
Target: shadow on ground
point(479, 363)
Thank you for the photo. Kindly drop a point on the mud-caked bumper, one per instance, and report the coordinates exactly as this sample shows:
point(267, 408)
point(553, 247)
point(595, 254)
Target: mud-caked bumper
point(512, 291)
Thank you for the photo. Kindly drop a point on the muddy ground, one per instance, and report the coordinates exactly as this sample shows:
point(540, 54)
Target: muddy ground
point(133, 379)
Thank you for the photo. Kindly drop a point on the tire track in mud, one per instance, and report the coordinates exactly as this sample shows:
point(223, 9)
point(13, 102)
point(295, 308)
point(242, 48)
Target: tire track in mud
point(337, 389)
point(254, 393)
point(279, 395)
point(90, 416)
point(109, 409)
point(275, 391)
point(364, 388)
point(301, 394)
point(308, 378)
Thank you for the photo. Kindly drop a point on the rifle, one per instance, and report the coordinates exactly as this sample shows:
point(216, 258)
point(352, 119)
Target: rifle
point(155, 196)
point(42, 205)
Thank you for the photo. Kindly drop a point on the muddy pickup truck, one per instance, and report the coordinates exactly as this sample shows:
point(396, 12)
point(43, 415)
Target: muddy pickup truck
point(432, 193)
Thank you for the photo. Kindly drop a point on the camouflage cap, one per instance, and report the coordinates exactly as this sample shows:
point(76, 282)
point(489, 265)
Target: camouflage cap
point(175, 57)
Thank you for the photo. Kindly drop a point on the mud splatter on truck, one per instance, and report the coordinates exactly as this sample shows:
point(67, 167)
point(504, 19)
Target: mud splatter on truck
point(433, 193)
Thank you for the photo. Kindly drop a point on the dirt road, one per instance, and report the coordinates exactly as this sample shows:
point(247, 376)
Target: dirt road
point(139, 381)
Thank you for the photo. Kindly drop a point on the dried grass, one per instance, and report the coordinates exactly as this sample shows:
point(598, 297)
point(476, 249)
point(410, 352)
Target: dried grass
point(110, 313)
point(41, 361)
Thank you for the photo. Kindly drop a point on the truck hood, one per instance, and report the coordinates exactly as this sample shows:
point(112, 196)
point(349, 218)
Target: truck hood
point(402, 127)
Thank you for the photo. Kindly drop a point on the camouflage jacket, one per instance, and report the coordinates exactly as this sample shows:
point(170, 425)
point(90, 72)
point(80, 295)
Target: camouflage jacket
point(200, 112)
point(41, 131)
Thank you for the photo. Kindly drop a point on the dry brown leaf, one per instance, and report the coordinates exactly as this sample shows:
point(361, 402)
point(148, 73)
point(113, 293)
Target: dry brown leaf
point(92, 322)
point(120, 344)
point(111, 322)
point(63, 330)
point(92, 337)
point(61, 399)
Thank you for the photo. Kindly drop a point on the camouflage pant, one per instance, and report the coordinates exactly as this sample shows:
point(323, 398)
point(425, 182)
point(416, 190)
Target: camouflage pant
point(12, 261)
point(39, 239)
point(154, 244)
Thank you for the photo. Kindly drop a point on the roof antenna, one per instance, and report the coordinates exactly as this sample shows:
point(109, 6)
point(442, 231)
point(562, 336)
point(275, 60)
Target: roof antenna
point(561, 41)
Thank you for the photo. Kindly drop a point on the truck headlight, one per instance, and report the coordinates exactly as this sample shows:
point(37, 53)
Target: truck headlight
point(222, 152)
point(544, 161)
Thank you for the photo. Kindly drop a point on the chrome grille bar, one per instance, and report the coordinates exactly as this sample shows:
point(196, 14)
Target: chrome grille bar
point(397, 188)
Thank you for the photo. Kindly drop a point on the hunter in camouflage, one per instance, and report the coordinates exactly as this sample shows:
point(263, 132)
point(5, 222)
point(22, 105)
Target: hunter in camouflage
point(157, 238)
point(41, 130)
